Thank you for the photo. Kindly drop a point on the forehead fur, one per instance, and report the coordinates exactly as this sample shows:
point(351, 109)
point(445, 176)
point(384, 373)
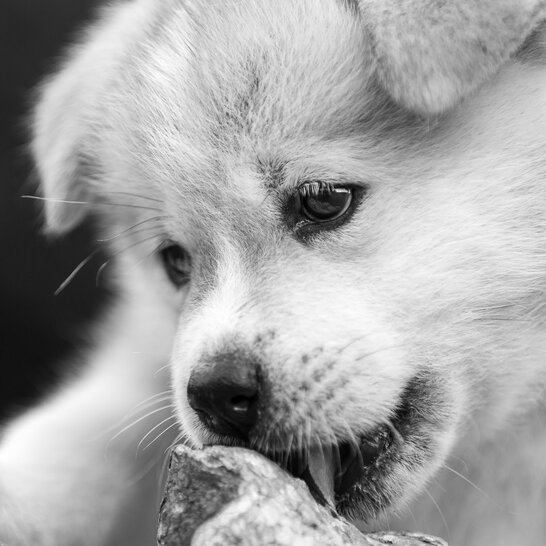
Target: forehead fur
point(297, 64)
point(293, 71)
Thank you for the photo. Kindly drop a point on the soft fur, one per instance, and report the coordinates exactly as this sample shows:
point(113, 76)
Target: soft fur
point(195, 121)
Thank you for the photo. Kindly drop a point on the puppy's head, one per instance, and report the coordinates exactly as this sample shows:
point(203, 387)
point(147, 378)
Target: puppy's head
point(349, 271)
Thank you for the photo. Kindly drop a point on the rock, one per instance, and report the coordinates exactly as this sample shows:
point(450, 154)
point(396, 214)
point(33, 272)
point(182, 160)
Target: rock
point(231, 496)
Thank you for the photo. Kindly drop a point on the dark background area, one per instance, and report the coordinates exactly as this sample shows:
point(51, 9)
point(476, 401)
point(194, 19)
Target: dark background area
point(38, 331)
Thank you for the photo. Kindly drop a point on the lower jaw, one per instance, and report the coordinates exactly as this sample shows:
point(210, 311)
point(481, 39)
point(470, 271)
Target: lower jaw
point(354, 462)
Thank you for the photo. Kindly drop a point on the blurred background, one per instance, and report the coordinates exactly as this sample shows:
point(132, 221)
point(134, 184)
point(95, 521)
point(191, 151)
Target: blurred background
point(38, 330)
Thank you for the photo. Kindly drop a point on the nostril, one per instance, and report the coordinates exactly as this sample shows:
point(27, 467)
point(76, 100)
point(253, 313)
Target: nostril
point(241, 410)
point(242, 404)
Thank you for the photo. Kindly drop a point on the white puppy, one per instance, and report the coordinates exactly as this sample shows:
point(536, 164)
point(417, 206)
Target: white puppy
point(330, 219)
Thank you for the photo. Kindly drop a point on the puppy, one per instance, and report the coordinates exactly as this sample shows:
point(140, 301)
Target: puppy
point(327, 223)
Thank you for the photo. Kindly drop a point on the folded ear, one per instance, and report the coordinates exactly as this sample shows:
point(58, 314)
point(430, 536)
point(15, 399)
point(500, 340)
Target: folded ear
point(432, 53)
point(59, 135)
point(68, 113)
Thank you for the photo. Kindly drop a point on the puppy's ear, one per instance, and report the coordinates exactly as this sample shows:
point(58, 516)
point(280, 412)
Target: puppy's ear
point(432, 53)
point(70, 110)
point(59, 136)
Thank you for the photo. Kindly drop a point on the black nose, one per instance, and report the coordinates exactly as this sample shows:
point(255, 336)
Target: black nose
point(224, 393)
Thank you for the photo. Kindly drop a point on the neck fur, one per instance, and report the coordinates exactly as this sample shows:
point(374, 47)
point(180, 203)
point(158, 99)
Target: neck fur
point(491, 491)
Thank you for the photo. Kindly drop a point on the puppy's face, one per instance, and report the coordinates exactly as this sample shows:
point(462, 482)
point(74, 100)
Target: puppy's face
point(344, 276)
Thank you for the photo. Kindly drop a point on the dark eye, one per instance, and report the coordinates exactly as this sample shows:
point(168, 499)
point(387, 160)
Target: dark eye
point(177, 263)
point(324, 203)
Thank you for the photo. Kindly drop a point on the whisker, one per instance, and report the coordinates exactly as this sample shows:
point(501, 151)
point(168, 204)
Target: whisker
point(128, 205)
point(54, 200)
point(78, 268)
point(145, 470)
point(140, 419)
point(353, 341)
point(181, 438)
point(444, 521)
point(288, 447)
point(149, 254)
point(329, 430)
point(468, 481)
point(119, 252)
point(132, 245)
point(150, 432)
point(146, 406)
point(131, 194)
point(260, 444)
point(129, 415)
point(161, 395)
point(130, 231)
point(100, 271)
point(367, 355)
point(300, 448)
point(133, 414)
point(161, 478)
point(399, 439)
point(352, 436)
point(412, 515)
point(100, 203)
point(159, 435)
point(176, 441)
point(308, 435)
point(461, 460)
point(135, 411)
point(157, 372)
point(507, 319)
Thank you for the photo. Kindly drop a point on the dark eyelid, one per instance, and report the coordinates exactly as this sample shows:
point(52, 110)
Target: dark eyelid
point(178, 276)
point(328, 184)
point(306, 230)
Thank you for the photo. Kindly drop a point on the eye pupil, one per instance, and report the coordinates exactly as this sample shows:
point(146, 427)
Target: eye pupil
point(177, 263)
point(324, 205)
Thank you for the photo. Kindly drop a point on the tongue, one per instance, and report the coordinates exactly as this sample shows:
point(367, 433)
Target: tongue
point(320, 475)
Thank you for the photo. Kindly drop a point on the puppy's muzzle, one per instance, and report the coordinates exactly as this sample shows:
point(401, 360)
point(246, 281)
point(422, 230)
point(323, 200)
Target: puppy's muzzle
point(229, 395)
point(225, 394)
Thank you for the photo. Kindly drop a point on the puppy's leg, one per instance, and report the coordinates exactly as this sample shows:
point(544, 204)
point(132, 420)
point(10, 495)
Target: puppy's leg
point(72, 473)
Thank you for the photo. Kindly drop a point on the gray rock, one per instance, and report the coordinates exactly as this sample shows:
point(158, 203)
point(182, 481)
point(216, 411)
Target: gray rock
point(230, 496)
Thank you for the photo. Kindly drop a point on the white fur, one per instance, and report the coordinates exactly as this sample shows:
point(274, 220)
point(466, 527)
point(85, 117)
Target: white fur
point(193, 123)
point(432, 54)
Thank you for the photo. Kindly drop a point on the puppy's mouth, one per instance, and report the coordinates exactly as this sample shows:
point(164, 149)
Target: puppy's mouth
point(362, 477)
point(332, 471)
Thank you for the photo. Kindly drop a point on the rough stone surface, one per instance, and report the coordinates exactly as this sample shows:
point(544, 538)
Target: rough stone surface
point(230, 496)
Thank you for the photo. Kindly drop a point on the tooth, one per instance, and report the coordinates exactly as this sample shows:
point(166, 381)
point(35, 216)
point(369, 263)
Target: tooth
point(322, 471)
